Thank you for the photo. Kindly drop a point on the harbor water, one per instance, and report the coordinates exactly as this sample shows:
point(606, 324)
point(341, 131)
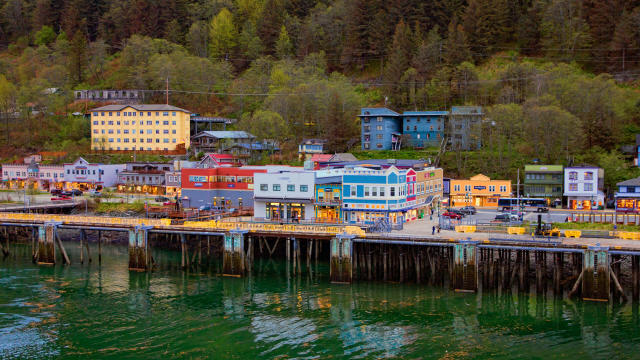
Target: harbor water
point(103, 312)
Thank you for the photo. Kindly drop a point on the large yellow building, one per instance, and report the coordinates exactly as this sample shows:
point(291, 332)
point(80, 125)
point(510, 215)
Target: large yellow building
point(479, 191)
point(140, 127)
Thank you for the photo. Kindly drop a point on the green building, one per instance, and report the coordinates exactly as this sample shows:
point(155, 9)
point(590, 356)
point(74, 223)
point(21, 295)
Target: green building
point(543, 181)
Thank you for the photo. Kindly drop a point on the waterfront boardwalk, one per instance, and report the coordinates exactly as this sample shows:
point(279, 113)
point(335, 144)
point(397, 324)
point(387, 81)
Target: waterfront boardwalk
point(597, 269)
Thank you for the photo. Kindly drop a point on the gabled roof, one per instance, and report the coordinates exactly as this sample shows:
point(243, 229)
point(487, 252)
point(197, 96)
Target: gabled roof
point(313, 142)
point(141, 107)
point(225, 134)
point(630, 182)
point(377, 112)
point(343, 157)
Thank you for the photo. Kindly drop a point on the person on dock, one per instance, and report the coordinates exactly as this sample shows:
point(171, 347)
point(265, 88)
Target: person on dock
point(433, 230)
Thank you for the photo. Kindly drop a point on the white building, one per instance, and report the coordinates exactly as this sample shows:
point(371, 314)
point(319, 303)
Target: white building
point(284, 195)
point(84, 175)
point(33, 175)
point(583, 187)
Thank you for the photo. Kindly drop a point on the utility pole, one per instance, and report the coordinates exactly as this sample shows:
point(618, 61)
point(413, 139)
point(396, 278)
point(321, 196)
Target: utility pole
point(167, 90)
point(518, 189)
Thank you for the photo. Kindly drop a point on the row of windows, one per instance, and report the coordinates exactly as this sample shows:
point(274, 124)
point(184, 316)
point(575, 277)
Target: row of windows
point(492, 188)
point(126, 140)
point(144, 178)
point(126, 113)
point(415, 128)
point(290, 187)
point(133, 122)
point(141, 148)
point(379, 190)
point(574, 187)
point(367, 128)
point(84, 172)
point(42, 175)
point(149, 131)
point(588, 175)
point(542, 176)
point(367, 146)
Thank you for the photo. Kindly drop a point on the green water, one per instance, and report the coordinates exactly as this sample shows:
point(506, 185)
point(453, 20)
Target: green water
point(91, 312)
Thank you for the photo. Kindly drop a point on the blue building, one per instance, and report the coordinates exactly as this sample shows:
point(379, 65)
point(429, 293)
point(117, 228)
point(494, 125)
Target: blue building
point(426, 128)
point(628, 196)
point(381, 128)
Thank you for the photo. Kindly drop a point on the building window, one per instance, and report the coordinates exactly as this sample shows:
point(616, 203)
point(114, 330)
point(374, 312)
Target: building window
point(366, 191)
point(165, 131)
point(367, 128)
point(173, 122)
point(408, 127)
point(304, 188)
point(503, 188)
point(588, 175)
point(276, 187)
point(573, 187)
point(381, 191)
point(173, 131)
point(467, 188)
point(366, 146)
point(95, 122)
point(379, 127)
point(374, 191)
point(353, 190)
point(291, 187)
point(588, 187)
point(379, 136)
point(492, 188)
point(573, 175)
point(264, 187)
point(379, 146)
point(456, 187)
point(392, 191)
point(166, 122)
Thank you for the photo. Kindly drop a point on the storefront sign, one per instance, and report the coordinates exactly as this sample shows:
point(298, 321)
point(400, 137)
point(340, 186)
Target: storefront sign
point(479, 187)
point(197, 184)
point(231, 185)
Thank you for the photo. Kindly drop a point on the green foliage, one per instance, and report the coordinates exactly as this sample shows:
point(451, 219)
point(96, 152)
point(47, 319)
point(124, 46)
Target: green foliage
point(223, 35)
point(45, 36)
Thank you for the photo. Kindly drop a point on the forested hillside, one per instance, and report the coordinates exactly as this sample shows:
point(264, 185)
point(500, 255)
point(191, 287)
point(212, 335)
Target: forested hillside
point(558, 78)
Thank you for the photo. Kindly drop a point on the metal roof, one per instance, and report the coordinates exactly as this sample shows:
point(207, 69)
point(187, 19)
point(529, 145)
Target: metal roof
point(630, 182)
point(425, 113)
point(377, 112)
point(466, 110)
point(543, 168)
point(226, 134)
point(141, 107)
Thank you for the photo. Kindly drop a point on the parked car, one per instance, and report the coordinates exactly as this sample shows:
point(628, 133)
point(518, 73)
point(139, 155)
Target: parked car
point(61, 198)
point(76, 192)
point(457, 211)
point(468, 210)
point(506, 217)
point(161, 199)
point(452, 215)
point(94, 192)
point(56, 192)
point(204, 208)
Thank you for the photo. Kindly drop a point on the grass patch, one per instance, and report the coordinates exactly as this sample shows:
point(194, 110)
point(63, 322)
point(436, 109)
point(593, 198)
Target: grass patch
point(108, 207)
point(595, 226)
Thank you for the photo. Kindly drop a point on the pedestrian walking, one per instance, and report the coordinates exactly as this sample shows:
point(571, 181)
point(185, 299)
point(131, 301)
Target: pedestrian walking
point(433, 230)
point(438, 229)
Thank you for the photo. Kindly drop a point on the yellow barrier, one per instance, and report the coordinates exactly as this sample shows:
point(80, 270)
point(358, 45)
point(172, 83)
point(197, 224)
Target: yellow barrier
point(465, 228)
point(211, 224)
point(515, 230)
point(629, 235)
point(572, 233)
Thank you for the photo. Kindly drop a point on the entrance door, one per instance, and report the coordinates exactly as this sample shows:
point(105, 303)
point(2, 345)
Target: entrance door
point(478, 201)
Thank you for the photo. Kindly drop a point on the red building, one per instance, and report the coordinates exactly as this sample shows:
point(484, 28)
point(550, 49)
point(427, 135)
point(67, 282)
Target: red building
point(231, 187)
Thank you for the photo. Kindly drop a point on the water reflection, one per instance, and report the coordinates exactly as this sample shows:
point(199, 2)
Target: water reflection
point(90, 311)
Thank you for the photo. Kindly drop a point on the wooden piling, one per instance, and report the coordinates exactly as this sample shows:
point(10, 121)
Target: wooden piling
point(635, 268)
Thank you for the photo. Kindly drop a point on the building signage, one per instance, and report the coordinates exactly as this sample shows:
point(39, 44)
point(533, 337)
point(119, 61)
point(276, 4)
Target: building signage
point(197, 184)
point(479, 187)
point(231, 185)
point(195, 178)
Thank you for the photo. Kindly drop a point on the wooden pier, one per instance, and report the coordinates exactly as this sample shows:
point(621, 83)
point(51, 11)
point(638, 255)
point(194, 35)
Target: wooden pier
point(607, 271)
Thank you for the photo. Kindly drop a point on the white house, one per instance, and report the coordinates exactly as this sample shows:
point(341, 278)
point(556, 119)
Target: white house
point(284, 195)
point(84, 175)
point(583, 187)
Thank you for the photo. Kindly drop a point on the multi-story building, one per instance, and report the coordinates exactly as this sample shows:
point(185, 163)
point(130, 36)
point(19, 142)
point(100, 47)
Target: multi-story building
point(369, 194)
point(140, 128)
point(381, 128)
point(309, 147)
point(479, 190)
point(144, 178)
point(172, 183)
point(219, 141)
point(84, 175)
point(33, 176)
point(430, 190)
point(544, 181)
point(229, 187)
point(120, 96)
point(465, 127)
point(284, 195)
point(328, 198)
point(424, 128)
point(583, 187)
point(628, 196)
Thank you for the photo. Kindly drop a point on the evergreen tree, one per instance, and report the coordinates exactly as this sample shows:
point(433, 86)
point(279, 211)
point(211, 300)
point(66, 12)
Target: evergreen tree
point(486, 23)
point(399, 60)
point(429, 53)
point(456, 47)
point(78, 57)
point(284, 48)
point(625, 41)
point(271, 23)
point(357, 37)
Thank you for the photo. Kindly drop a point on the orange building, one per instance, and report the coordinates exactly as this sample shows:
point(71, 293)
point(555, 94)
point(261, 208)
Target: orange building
point(478, 191)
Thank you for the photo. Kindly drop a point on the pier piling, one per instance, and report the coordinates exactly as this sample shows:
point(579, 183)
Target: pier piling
point(341, 258)
point(233, 258)
point(139, 248)
point(465, 267)
point(596, 274)
point(46, 253)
